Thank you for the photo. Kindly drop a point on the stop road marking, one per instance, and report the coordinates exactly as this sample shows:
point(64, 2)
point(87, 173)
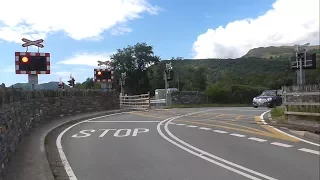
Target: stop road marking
point(117, 132)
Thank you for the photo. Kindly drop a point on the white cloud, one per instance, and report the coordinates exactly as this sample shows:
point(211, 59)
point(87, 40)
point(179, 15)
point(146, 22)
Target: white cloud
point(289, 22)
point(79, 19)
point(89, 59)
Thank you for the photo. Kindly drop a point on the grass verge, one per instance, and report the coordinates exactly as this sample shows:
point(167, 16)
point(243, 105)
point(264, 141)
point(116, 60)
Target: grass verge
point(206, 105)
point(277, 114)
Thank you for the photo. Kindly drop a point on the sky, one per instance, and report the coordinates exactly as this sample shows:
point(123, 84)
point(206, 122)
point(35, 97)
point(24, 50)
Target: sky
point(78, 33)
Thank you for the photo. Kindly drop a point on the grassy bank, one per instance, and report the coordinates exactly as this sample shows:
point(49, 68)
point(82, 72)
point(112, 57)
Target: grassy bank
point(207, 105)
point(277, 114)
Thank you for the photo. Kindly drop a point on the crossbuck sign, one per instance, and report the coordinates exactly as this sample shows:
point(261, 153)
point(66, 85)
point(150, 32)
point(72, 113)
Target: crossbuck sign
point(32, 43)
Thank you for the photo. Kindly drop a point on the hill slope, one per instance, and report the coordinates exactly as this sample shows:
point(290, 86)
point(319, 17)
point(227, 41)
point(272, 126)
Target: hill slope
point(276, 52)
point(44, 86)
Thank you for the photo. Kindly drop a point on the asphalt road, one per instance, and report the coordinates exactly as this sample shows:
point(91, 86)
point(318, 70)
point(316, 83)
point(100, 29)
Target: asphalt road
point(184, 144)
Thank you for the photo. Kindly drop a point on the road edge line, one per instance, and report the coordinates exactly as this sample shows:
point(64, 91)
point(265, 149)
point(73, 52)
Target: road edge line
point(264, 122)
point(200, 155)
point(62, 155)
point(247, 170)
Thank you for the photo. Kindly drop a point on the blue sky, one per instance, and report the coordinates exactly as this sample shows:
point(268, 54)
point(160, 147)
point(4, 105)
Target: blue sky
point(78, 37)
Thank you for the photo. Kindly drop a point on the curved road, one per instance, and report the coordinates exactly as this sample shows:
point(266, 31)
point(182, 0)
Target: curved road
point(184, 144)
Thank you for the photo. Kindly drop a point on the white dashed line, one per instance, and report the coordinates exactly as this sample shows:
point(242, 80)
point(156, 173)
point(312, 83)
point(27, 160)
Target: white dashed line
point(309, 151)
point(238, 135)
point(180, 124)
point(257, 139)
point(218, 131)
point(280, 144)
point(204, 128)
point(172, 123)
point(191, 126)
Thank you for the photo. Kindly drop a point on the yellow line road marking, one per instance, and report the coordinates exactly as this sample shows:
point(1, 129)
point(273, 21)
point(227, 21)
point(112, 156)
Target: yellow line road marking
point(147, 115)
point(273, 131)
point(243, 130)
point(242, 117)
point(253, 129)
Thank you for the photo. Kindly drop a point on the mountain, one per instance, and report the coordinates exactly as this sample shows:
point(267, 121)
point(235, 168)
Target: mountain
point(44, 86)
point(282, 52)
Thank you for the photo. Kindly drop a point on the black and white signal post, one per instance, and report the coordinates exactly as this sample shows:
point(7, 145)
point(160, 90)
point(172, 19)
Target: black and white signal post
point(104, 75)
point(167, 75)
point(32, 63)
point(301, 61)
point(123, 81)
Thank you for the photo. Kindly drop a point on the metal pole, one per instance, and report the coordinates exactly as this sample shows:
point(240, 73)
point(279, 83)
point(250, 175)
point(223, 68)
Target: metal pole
point(166, 86)
point(300, 71)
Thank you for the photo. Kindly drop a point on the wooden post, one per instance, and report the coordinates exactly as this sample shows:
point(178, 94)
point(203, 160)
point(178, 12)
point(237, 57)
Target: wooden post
point(149, 100)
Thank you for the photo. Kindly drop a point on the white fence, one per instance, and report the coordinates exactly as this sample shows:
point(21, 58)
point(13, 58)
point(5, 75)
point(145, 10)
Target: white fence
point(301, 96)
point(136, 102)
point(140, 102)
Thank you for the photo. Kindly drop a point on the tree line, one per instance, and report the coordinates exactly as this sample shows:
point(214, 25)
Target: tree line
point(223, 80)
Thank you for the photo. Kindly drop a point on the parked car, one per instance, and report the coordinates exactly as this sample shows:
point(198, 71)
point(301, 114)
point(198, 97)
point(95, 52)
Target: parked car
point(268, 98)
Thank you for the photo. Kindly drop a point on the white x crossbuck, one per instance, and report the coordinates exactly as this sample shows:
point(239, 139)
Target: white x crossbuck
point(32, 43)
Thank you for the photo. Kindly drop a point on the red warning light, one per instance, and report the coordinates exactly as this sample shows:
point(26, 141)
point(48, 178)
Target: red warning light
point(25, 59)
point(99, 73)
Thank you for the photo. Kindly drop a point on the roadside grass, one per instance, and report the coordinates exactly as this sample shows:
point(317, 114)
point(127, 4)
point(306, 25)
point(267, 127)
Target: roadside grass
point(278, 115)
point(206, 105)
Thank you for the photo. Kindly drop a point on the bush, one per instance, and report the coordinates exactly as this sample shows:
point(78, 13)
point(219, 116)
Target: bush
point(239, 94)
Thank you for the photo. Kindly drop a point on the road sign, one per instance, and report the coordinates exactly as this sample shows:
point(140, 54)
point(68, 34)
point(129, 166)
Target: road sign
point(104, 75)
point(117, 132)
point(32, 63)
point(308, 63)
point(32, 43)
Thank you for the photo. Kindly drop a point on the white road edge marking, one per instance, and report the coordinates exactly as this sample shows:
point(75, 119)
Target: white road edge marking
point(238, 135)
point(206, 153)
point(281, 144)
point(63, 157)
point(119, 121)
point(192, 126)
point(257, 139)
point(264, 122)
point(219, 131)
point(180, 124)
point(204, 128)
point(309, 151)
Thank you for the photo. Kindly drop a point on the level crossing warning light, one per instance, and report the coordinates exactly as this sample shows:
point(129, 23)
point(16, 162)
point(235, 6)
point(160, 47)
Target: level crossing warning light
point(25, 59)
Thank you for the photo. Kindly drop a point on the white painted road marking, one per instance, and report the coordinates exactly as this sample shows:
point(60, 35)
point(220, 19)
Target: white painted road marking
point(191, 126)
point(219, 131)
point(195, 151)
point(119, 121)
point(264, 122)
point(257, 139)
point(204, 128)
point(136, 131)
point(105, 131)
point(63, 157)
point(180, 124)
point(116, 134)
point(238, 135)
point(281, 144)
point(309, 151)
point(85, 133)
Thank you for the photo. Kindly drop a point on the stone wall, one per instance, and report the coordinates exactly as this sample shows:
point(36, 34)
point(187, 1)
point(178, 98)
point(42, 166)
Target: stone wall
point(22, 110)
point(188, 97)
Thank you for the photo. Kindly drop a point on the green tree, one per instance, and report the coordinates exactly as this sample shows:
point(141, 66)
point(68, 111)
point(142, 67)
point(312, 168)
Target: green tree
point(134, 60)
point(88, 84)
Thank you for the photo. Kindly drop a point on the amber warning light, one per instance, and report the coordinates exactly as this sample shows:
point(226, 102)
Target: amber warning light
point(25, 59)
point(99, 73)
